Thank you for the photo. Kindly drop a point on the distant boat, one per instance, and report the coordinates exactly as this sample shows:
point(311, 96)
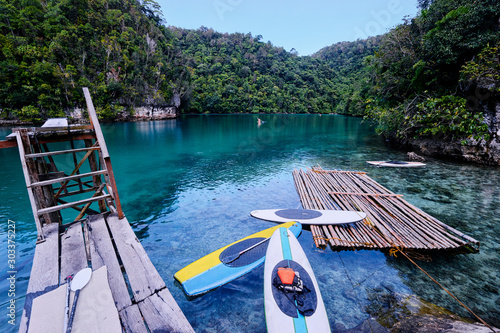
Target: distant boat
point(396, 164)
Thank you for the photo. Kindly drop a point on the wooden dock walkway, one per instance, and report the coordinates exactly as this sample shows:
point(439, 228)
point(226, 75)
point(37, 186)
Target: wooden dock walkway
point(98, 236)
point(143, 302)
point(392, 222)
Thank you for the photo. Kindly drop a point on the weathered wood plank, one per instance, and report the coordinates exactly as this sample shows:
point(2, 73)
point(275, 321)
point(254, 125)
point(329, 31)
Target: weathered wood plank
point(102, 253)
point(72, 204)
point(73, 254)
point(162, 314)
point(44, 272)
point(104, 150)
point(60, 152)
point(27, 179)
point(132, 321)
point(142, 275)
point(95, 122)
point(7, 144)
point(63, 179)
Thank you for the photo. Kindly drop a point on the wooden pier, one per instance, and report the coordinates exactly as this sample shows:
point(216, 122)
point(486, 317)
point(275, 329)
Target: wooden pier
point(392, 222)
point(96, 237)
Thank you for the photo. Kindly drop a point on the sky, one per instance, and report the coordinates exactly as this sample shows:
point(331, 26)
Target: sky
point(305, 25)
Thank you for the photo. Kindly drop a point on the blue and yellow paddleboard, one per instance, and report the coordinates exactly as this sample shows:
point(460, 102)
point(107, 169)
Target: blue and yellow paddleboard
point(230, 262)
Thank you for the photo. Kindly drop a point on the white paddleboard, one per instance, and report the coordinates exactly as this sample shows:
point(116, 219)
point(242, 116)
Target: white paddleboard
point(309, 216)
point(283, 314)
point(396, 164)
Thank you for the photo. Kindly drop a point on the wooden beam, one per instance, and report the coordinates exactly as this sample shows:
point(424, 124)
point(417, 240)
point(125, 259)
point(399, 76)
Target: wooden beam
point(64, 138)
point(77, 167)
point(62, 128)
point(27, 179)
point(104, 151)
point(367, 194)
point(95, 122)
point(7, 144)
point(84, 209)
point(76, 192)
point(71, 204)
point(60, 152)
point(63, 179)
point(114, 190)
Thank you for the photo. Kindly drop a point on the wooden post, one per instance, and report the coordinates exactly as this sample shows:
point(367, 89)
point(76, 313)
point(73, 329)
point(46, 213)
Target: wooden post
point(104, 150)
point(34, 208)
point(96, 179)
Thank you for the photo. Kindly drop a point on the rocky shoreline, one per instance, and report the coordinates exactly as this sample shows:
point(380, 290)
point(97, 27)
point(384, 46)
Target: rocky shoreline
point(392, 312)
point(486, 152)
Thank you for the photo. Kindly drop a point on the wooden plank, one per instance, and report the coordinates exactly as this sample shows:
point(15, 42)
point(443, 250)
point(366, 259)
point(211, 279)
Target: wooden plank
point(63, 129)
point(142, 275)
point(64, 138)
point(27, 179)
point(114, 190)
point(102, 253)
point(104, 150)
point(73, 254)
point(132, 321)
point(68, 178)
point(76, 192)
point(96, 179)
point(44, 272)
point(7, 144)
point(84, 209)
point(72, 204)
point(61, 152)
point(95, 123)
point(367, 194)
point(162, 314)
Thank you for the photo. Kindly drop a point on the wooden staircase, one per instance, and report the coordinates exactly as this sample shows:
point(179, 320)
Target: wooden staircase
point(42, 174)
point(95, 237)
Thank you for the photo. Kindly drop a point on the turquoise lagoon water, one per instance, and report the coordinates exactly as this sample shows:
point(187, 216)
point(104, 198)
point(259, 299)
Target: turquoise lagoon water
point(188, 185)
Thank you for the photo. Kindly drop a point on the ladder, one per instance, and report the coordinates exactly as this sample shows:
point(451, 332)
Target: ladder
point(42, 174)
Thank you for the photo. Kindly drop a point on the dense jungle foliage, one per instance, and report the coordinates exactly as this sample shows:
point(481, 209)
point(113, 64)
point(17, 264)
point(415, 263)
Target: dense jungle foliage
point(117, 48)
point(432, 75)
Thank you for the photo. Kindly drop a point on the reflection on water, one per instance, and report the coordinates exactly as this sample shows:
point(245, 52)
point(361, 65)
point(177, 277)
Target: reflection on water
point(188, 186)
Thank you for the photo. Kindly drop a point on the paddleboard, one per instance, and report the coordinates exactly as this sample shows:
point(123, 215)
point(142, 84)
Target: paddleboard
point(309, 216)
point(396, 164)
point(226, 264)
point(299, 310)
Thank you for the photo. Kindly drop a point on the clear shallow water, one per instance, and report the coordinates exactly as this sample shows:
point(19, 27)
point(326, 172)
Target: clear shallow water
point(188, 186)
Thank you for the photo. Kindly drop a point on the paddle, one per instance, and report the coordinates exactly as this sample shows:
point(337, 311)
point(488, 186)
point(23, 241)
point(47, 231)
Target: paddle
point(66, 309)
point(233, 257)
point(79, 281)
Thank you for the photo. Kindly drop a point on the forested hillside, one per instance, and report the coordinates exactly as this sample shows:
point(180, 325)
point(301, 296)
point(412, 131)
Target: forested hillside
point(233, 73)
point(117, 48)
point(436, 75)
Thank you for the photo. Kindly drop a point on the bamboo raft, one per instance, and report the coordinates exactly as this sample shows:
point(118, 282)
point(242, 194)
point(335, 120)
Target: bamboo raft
point(99, 235)
point(391, 221)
